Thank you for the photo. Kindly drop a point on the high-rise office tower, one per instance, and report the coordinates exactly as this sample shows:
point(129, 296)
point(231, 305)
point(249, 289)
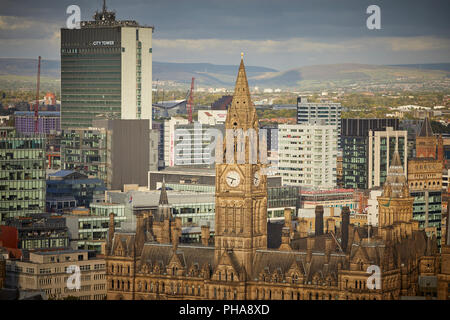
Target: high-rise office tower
point(307, 154)
point(106, 71)
point(355, 150)
point(325, 112)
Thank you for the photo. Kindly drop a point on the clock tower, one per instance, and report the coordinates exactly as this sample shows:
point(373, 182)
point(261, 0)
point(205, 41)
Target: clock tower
point(241, 182)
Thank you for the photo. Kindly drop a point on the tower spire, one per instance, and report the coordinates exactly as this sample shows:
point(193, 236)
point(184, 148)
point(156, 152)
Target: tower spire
point(242, 112)
point(163, 200)
point(104, 6)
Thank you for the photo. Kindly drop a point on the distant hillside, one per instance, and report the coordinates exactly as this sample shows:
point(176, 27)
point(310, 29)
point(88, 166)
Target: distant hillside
point(205, 73)
point(426, 66)
point(21, 73)
point(348, 74)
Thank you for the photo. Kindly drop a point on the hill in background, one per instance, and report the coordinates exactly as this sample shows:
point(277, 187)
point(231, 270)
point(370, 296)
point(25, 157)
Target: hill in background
point(21, 74)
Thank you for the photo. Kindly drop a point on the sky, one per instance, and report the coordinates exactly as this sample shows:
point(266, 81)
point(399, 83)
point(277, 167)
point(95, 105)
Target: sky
point(280, 34)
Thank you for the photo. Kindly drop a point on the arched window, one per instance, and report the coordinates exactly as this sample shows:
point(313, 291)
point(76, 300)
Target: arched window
point(232, 276)
point(128, 269)
point(220, 275)
point(356, 284)
point(112, 284)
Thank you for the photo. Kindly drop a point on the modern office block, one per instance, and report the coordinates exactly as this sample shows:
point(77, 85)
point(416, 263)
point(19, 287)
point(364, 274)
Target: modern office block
point(325, 112)
point(382, 145)
point(48, 121)
point(106, 71)
point(194, 144)
point(90, 231)
point(35, 233)
point(354, 143)
point(84, 151)
point(66, 185)
point(105, 151)
point(22, 174)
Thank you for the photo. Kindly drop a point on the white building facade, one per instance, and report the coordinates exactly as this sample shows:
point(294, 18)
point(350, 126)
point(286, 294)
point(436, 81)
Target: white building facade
point(307, 154)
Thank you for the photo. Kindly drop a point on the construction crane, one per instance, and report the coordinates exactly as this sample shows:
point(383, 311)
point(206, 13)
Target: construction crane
point(36, 106)
point(190, 101)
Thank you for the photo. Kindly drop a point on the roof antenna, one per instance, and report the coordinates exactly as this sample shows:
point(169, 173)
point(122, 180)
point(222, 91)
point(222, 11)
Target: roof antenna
point(104, 6)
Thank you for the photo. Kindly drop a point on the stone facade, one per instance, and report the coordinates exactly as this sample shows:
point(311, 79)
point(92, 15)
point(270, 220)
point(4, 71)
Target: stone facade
point(333, 264)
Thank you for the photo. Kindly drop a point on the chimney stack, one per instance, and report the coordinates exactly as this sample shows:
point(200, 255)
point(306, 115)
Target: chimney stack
point(329, 247)
point(111, 230)
point(319, 221)
point(302, 228)
point(288, 218)
point(344, 227)
point(205, 235)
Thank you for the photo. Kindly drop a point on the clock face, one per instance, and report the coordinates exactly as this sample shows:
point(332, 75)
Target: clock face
point(233, 178)
point(256, 179)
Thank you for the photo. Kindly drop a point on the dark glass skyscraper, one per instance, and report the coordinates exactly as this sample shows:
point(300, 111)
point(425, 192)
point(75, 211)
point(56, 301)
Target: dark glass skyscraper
point(354, 141)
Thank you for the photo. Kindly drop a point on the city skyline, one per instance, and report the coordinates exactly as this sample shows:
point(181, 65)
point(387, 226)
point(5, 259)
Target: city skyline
point(280, 35)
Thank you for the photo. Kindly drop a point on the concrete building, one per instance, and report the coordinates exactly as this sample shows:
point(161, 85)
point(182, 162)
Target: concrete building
point(381, 147)
point(212, 117)
point(169, 139)
point(22, 174)
point(106, 71)
point(326, 112)
point(49, 271)
point(89, 231)
point(192, 177)
point(334, 198)
point(307, 154)
point(194, 144)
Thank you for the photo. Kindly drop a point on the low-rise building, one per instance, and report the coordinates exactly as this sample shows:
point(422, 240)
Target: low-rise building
point(40, 232)
point(67, 189)
point(89, 231)
point(50, 272)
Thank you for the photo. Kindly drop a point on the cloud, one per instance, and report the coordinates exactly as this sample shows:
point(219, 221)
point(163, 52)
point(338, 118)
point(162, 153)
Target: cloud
point(294, 52)
point(13, 27)
point(295, 45)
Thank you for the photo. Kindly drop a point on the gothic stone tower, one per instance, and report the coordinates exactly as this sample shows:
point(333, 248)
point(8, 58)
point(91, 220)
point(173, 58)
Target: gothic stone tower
point(241, 185)
point(426, 142)
point(395, 204)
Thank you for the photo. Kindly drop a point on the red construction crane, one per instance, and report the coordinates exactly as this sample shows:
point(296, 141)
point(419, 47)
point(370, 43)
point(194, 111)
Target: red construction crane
point(190, 101)
point(36, 106)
